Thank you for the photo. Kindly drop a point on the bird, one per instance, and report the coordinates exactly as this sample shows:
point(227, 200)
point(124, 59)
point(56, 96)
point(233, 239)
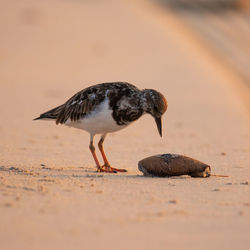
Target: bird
point(105, 108)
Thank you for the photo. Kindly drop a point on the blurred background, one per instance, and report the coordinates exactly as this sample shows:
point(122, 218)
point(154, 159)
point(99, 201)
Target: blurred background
point(51, 49)
point(224, 25)
point(68, 32)
point(195, 52)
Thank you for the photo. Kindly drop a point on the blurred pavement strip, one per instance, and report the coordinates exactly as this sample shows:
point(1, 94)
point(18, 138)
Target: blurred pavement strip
point(223, 37)
point(224, 24)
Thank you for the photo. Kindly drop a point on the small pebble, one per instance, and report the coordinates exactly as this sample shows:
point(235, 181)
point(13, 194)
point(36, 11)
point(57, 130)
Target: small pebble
point(9, 186)
point(99, 191)
point(173, 201)
point(161, 213)
point(8, 204)
point(216, 190)
point(67, 190)
point(244, 183)
point(47, 168)
point(241, 213)
point(28, 189)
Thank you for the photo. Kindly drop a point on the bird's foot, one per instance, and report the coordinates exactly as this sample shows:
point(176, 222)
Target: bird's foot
point(108, 169)
point(120, 170)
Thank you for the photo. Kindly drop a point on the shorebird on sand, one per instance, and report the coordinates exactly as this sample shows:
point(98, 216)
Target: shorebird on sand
point(105, 108)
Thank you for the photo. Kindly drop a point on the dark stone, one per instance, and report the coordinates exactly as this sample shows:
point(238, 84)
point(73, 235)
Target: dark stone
point(167, 165)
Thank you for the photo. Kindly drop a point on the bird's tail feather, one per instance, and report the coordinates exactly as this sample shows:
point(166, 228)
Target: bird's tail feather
point(38, 118)
point(51, 114)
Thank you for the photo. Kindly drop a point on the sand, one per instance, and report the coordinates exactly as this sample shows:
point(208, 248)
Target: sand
point(50, 195)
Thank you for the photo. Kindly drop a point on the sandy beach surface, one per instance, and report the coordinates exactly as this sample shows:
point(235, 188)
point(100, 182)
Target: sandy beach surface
point(50, 195)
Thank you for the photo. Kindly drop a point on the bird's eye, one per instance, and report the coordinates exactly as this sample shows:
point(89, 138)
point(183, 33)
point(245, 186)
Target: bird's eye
point(156, 111)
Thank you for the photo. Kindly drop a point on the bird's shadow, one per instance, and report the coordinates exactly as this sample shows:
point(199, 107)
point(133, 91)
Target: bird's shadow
point(43, 173)
point(92, 174)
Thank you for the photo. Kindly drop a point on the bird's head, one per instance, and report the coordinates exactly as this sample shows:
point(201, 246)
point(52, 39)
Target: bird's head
point(155, 104)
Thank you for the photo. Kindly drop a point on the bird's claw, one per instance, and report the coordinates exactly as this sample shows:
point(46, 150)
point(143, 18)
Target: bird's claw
point(120, 170)
point(108, 169)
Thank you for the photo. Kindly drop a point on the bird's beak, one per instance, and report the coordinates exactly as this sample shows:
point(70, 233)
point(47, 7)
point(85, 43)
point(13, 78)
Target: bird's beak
point(158, 123)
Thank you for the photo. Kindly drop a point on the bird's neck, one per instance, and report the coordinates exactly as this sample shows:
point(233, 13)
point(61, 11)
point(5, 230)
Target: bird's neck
point(145, 100)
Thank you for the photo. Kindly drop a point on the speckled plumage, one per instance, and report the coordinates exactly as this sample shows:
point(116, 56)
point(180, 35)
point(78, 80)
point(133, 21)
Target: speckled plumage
point(126, 101)
point(108, 107)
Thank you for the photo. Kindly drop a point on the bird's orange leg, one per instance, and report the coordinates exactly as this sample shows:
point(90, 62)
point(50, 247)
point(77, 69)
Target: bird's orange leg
point(92, 149)
point(106, 167)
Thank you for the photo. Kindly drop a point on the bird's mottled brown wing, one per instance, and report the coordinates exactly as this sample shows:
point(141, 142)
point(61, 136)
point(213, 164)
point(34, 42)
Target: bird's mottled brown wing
point(85, 101)
point(80, 105)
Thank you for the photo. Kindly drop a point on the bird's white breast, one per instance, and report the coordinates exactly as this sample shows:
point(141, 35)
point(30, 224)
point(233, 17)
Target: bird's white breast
point(99, 121)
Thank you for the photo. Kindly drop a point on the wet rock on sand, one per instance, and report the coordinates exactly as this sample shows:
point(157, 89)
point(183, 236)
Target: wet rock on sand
point(166, 165)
